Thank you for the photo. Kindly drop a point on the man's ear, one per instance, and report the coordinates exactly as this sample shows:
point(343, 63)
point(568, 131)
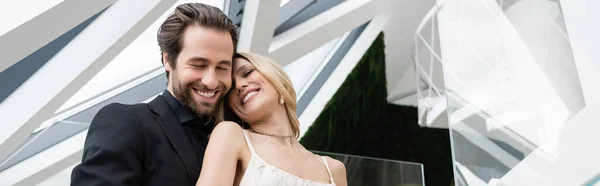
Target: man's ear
point(166, 63)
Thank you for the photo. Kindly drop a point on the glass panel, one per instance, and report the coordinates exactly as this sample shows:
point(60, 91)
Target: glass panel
point(373, 171)
point(510, 85)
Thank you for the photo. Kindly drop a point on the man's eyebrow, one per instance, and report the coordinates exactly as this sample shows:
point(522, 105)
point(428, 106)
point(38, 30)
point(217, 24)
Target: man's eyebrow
point(226, 62)
point(199, 59)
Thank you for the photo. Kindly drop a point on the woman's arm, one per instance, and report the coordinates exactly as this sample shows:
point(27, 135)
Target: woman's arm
point(338, 171)
point(222, 154)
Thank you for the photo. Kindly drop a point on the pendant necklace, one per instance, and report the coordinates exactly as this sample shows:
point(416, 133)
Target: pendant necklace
point(282, 137)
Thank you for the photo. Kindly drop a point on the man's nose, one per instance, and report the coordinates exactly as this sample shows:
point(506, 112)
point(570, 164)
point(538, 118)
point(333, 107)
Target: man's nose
point(209, 79)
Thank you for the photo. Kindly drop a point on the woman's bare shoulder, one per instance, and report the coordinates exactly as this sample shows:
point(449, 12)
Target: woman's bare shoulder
point(228, 131)
point(335, 165)
point(228, 127)
point(338, 171)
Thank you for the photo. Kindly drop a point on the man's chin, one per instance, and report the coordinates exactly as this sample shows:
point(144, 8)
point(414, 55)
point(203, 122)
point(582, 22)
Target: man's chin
point(204, 109)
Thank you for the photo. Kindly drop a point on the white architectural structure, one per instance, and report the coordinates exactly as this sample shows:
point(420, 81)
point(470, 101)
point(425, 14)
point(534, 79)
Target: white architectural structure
point(514, 80)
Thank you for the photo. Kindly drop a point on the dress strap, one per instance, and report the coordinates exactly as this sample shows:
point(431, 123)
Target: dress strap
point(249, 143)
point(328, 170)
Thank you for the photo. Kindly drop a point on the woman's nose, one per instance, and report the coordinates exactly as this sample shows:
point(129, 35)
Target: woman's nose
point(241, 87)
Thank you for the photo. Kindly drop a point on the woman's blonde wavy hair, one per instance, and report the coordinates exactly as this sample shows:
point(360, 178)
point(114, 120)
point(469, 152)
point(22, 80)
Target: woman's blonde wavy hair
point(279, 79)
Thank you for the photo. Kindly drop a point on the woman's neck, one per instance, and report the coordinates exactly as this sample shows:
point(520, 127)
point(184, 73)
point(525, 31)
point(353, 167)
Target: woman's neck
point(277, 123)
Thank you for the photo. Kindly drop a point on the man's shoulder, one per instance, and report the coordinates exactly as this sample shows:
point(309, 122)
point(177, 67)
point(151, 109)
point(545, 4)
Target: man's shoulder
point(121, 115)
point(115, 124)
point(123, 109)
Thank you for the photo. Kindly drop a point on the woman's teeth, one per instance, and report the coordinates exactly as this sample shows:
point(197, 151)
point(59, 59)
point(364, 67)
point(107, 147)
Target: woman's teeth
point(249, 95)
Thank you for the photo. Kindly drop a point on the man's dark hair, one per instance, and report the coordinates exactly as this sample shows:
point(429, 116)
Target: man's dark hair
point(170, 32)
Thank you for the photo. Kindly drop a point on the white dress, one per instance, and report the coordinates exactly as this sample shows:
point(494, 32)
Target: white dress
point(260, 173)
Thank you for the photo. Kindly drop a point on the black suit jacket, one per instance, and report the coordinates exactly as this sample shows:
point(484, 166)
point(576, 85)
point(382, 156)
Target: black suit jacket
point(141, 144)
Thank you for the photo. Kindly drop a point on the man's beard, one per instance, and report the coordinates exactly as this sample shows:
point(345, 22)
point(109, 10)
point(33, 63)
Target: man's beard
point(183, 94)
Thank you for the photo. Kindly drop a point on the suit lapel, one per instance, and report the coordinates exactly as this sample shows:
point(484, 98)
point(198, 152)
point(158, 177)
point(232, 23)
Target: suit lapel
point(176, 136)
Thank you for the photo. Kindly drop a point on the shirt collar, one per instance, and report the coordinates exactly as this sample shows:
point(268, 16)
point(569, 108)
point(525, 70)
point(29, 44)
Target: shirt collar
point(183, 114)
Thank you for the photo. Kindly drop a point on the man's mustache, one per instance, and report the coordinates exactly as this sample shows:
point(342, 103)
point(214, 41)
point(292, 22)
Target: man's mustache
point(201, 87)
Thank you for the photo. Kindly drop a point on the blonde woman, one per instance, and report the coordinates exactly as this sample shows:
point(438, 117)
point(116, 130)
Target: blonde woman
point(268, 152)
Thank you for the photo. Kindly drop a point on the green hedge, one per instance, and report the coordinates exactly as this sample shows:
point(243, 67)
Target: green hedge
point(358, 120)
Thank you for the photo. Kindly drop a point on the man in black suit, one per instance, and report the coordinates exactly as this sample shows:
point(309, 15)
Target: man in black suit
point(163, 142)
